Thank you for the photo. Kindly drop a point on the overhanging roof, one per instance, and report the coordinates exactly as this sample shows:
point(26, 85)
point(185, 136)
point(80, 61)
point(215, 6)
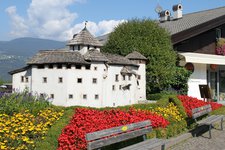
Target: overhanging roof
point(203, 58)
point(194, 24)
point(189, 25)
point(18, 70)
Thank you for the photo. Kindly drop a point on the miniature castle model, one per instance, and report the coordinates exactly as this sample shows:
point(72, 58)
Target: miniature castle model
point(82, 75)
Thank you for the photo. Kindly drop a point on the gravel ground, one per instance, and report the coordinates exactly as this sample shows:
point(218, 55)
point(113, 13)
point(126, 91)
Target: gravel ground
point(202, 142)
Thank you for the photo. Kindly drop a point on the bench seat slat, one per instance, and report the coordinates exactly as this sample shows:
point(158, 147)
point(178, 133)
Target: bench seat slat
point(218, 118)
point(118, 138)
point(202, 108)
point(201, 113)
point(214, 118)
point(207, 120)
point(211, 119)
point(116, 130)
point(146, 145)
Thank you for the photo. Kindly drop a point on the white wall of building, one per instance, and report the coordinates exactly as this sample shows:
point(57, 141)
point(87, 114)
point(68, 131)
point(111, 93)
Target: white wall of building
point(18, 84)
point(119, 96)
point(100, 94)
point(198, 77)
point(52, 86)
point(141, 94)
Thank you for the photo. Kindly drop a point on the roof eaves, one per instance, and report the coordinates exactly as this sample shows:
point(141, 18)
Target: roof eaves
point(123, 64)
point(45, 63)
point(18, 70)
point(191, 32)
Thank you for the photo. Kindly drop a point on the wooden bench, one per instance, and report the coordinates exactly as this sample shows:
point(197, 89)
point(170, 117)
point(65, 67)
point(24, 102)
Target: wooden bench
point(209, 120)
point(99, 139)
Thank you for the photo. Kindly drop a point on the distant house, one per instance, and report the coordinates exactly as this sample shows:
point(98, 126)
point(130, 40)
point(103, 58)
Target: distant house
point(194, 37)
point(82, 75)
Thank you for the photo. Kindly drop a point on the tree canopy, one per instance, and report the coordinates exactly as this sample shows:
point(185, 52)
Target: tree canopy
point(154, 42)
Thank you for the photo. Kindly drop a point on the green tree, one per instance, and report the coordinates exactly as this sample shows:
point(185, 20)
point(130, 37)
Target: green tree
point(146, 37)
point(180, 80)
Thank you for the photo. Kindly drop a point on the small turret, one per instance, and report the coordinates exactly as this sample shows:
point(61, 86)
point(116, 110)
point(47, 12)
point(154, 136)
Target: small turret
point(83, 41)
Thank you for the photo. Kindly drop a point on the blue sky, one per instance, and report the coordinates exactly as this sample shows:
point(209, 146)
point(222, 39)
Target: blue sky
point(60, 19)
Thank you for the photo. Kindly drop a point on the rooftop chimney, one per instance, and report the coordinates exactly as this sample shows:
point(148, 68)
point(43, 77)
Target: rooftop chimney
point(164, 15)
point(177, 9)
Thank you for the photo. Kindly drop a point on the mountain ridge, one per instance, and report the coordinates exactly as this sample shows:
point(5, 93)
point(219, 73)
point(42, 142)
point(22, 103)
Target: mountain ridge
point(14, 53)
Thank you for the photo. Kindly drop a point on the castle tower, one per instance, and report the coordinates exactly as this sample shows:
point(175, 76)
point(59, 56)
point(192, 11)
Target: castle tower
point(141, 60)
point(83, 41)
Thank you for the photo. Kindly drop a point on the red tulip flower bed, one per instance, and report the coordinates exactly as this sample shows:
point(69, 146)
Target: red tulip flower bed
point(190, 103)
point(90, 120)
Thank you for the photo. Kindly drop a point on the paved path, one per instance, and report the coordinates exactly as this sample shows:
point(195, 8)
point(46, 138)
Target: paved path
point(202, 142)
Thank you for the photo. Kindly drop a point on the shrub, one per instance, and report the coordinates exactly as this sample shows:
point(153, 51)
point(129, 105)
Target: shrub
point(18, 102)
point(156, 96)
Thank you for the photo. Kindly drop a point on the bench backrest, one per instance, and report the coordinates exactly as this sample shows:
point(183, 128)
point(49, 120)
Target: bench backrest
point(200, 111)
point(117, 134)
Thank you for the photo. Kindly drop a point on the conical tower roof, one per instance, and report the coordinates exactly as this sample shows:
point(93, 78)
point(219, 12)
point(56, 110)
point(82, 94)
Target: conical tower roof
point(84, 38)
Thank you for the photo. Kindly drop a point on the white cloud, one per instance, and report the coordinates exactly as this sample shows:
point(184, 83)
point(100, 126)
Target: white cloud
point(108, 26)
point(101, 28)
point(53, 20)
point(18, 23)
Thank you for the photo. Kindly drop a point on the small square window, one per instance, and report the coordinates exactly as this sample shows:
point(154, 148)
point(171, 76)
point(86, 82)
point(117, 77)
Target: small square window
point(52, 96)
point(139, 77)
point(96, 96)
point(218, 33)
point(42, 95)
point(120, 87)
point(60, 80)
point(50, 66)
point(129, 77)
point(27, 79)
point(59, 66)
point(22, 78)
point(87, 67)
point(124, 77)
point(41, 66)
point(44, 79)
point(117, 78)
point(78, 66)
point(79, 80)
point(70, 96)
point(84, 96)
point(94, 80)
point(113, 88)
point(68, 66)
point(95, 68)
